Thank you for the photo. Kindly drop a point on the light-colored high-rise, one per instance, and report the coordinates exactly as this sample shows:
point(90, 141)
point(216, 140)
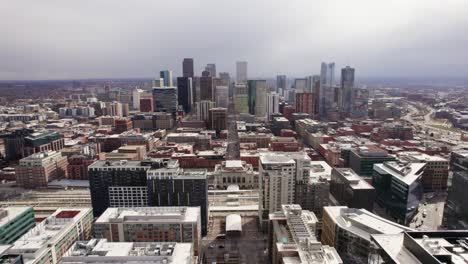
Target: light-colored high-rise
point(327, 92)
point(211, 68)
point(222, 96)
point(272, 104)
point(241, 72)
point(167, 76)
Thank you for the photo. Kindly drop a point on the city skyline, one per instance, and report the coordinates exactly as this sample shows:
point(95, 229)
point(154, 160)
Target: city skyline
point(379, 39)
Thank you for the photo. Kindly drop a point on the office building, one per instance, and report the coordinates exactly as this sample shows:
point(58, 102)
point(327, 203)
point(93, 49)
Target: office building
point(349, 231)
point(150, 224)
point(165, 100)
point(272, 104)
point(456, 207)
point(222, 96)
point(435, 176)
point(187, 68)
point(153, 121)
point(305, 103)
point(206, 88)
point(300, 85)
point(185, 93)
point(292, 238)
point(78, 166)
point(399, 189)
point(347, 86)
point(360, 103)
point(362, 159)
point(169, 186)
point(166, 75)
point(257, 90)
point(419, 247)
point(313, 193)
point(241, 98)
point(211, 68)
point(15, 222)
point(351, 190)
point(202, 109)
point(281, 83)
point(217, 119)
point(241, 72)
point(40, 141)
point(225, 77)
point(49, 240)
point(158, 82)
point(327, 93)
point(102, 251)
point(37, 170)
point(136, 96)
point(119, 184)
point(459, 160)
point(235, 172)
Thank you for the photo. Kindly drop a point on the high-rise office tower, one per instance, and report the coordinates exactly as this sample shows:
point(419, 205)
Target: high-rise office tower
point(202, 109)
point(272, 104)
point(222, 96)
point(300, 84)
point(187, 67)
point(241, 72)
point(211, 68)
point(136, 94)
point(347, 86)
point(217, 119)
point(456, 207)
point(167, 186)
point(167, 76)
point(206, 88)
point(257, 90)
point(225, 77)
point(165, 100)
point(360, 103)
point(316, 91)
point(281, 82)
point(184, 93)
point(327, 92)
point(241, 98)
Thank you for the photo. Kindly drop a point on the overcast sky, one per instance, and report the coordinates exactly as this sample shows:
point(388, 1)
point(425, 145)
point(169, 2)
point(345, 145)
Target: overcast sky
point(62, 39)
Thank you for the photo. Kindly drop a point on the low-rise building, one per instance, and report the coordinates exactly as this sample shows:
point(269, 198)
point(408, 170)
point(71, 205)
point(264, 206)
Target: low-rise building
point(37, 170)
point(235, 172)
point(102, 251)
point(150, 224)
point(15, 222)
point(49, 240)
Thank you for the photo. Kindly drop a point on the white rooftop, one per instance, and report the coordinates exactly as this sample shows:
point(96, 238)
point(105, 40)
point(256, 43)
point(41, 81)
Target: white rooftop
point(150, 214)
point(10, 213)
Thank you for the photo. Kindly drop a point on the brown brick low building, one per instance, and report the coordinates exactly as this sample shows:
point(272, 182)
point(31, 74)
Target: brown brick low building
point(37, 170)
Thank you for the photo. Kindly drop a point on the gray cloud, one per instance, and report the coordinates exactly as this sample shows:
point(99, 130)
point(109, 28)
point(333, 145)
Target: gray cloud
point(107, 38)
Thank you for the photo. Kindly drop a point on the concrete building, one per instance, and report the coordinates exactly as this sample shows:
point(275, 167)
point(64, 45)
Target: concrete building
point(362, 159)
point(435, 176)
point(327, 93)
point(347, 86)
point(281, 83)
point(459, 160)
point(313, 193)
point(166, 75)
point(235, 172)
point(103, 251)
point(349, 230)
point(15, 222)
point(456, 207)
point(241, 72)
point(272, 104)
point(37, 170)
point(211, 68)
point(202, 109)
point(49, 240)
point(419, 247)
point(399, 189)
point(222, 96)
point(217, 119)
point(300, 85)
point(351, 190)
point(292, 238)
point(153, 121)
point(151, 224)
point(278, 174)
point(241, 98)
point(165, 100)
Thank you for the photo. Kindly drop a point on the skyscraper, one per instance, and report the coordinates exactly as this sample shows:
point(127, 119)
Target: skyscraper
point(347, 86)
point(241, 72)
point(281, 83)
point(327, 92)
point(211, 68)
point(257, 97)
point(300, 84)
point(272, 104)
point(167, 76)
point(187, 67)
point(165, 100)
point(222, 96)
point(206, 88)
point(184, 93)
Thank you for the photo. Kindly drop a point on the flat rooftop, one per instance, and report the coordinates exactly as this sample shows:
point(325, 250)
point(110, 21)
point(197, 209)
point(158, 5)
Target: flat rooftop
point(274, 158)
point(355, 181)
point(406, 172)
point(150, 214)
point(10, 213)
